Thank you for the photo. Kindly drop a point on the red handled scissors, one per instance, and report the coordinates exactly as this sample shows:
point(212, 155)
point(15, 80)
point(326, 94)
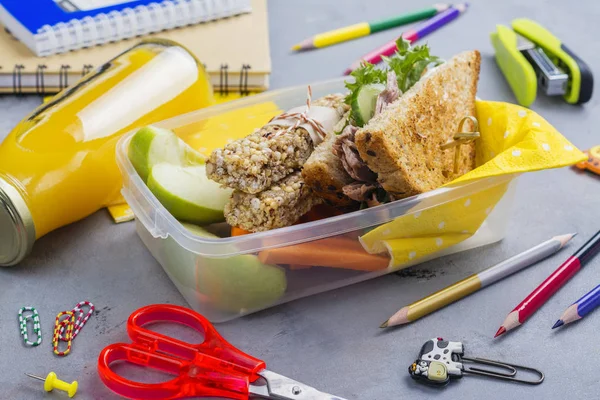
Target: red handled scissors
point(213, 368)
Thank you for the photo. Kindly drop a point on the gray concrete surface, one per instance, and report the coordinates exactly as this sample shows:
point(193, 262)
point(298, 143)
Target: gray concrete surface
point(332, 340)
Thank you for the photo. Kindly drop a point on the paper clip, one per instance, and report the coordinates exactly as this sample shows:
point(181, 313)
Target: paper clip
point(441, 360)
point(509, 376)
point(68, 324)
point(461, 138)
point(35, 317)
point(82, 318)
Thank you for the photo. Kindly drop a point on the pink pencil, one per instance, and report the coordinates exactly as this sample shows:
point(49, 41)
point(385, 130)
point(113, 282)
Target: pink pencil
point(418, 32)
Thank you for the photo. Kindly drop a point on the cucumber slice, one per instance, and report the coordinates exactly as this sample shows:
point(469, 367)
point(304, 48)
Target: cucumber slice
point(363, 102)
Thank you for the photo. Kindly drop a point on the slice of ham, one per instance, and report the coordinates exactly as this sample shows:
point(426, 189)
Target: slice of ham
point(365, 187)
point(360, 191)
point(345, 148)
point(390, 94)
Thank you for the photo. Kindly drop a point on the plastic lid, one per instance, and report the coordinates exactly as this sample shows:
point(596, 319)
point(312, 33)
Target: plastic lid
point(17, 232)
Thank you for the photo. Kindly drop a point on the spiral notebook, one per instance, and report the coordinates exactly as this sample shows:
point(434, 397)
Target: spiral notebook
point(235, 52)
point(58, 26)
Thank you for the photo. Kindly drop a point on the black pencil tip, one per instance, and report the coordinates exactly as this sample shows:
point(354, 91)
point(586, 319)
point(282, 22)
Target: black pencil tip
point(558, 323)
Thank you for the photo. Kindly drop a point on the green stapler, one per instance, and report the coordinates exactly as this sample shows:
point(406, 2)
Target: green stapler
point(530, 56)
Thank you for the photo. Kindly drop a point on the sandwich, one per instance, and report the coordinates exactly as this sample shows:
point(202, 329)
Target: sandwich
point(390, 146)
point(379, 143)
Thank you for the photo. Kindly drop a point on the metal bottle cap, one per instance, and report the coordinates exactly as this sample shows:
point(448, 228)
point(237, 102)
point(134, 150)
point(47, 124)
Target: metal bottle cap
point(17, 232)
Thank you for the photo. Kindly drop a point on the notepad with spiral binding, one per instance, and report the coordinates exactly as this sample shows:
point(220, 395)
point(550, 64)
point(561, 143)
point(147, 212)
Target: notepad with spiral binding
point(235, 66)
point(58, 26)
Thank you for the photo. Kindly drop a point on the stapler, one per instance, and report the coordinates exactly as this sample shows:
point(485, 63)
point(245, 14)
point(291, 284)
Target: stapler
point(531, 57)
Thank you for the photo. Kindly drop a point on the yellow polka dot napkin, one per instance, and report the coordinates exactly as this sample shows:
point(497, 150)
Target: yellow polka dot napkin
point(516, 140)
point(513, 140)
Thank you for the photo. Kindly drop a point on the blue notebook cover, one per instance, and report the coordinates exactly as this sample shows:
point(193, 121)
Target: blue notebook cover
point(52, 12)
point(62, 25)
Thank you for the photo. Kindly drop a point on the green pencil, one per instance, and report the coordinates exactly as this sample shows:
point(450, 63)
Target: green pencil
point(367, 28)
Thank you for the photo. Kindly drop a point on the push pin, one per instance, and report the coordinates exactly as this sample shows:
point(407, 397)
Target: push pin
point(52, 382)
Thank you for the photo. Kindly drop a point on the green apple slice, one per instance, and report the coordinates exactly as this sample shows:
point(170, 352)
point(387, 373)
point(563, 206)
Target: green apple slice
point(199, 231)
point(151, 145)
point(187, 193)
point(191, 156)
point(234, 284)
point(179, 262)
point(240, 283)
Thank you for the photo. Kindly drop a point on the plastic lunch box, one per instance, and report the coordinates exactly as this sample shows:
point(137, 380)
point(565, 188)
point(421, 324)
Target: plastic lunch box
point(222, 278)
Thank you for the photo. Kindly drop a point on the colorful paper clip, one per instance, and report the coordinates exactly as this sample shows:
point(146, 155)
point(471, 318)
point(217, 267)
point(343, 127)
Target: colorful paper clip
point(68, 324)
point(35, 317)
point(82, 318)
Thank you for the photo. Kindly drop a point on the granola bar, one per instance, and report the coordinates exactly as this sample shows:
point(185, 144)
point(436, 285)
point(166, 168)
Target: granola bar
point(279, 206)
point(268, 155)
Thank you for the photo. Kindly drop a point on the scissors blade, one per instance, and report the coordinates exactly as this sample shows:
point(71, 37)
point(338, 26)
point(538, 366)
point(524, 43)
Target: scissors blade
point(279, 387)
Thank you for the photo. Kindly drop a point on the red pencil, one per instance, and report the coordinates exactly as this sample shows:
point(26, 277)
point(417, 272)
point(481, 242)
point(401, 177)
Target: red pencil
point(542, 293)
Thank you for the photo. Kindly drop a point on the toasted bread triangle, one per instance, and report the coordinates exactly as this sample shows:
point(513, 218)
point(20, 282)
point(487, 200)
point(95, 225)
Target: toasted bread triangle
point(402, 144)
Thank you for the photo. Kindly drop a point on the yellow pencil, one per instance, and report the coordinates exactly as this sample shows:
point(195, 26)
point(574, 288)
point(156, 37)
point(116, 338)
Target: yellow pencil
point(366, 28)
point(477, 281)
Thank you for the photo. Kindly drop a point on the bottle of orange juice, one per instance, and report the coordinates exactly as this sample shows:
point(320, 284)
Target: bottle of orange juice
point(58, 165)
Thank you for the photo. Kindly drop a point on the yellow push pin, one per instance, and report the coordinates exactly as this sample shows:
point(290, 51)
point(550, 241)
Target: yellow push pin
point(52, 382)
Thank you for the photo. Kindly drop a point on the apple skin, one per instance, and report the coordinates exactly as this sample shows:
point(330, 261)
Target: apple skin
point(235, 284)
point(151, 145)
point(240, 283)
point(188, 194)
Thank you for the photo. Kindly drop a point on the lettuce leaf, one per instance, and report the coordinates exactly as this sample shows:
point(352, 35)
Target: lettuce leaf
point(409, 63)
point(366, 74)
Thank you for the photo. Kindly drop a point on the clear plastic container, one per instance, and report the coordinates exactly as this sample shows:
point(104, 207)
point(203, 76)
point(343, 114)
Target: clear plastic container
point(226, 278)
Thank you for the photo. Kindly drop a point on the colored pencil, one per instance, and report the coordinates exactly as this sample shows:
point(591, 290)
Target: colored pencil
point(477, 281)
point(546, 289)
point(367, 28)
point(580, 308)
point(412, 35)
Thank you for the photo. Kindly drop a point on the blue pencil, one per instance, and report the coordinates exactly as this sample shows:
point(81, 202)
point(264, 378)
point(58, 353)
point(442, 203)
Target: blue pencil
point(580, 308)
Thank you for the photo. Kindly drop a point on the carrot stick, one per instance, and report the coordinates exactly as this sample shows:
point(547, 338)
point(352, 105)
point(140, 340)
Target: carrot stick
point(337, 252)
point(235, 231)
